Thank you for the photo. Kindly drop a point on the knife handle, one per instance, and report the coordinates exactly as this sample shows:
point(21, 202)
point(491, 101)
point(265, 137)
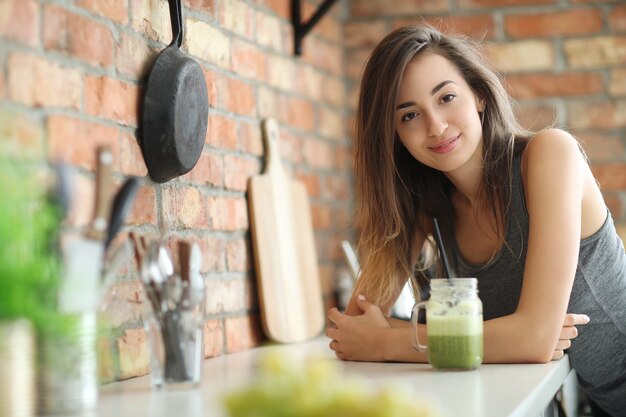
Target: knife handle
point(184, 253)
point(271, 139)
point(100, 222)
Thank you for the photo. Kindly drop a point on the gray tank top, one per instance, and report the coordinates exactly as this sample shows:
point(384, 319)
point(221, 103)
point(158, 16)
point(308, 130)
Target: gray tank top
point(598, 354)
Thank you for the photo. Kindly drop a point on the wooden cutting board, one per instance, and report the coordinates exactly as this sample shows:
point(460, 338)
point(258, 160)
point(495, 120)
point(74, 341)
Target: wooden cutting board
point(285, 257)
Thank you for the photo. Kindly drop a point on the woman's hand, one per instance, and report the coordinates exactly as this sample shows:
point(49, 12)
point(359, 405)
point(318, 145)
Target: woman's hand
point(568, 332)
point(357, 338)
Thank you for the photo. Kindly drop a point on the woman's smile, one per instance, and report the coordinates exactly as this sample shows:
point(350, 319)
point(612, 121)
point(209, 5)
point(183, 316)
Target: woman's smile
point(446, 145)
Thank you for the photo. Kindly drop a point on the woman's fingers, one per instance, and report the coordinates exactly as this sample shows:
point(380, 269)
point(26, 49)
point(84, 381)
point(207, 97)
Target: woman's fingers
point(563, 344)
point(575, 319)
point(568, 332)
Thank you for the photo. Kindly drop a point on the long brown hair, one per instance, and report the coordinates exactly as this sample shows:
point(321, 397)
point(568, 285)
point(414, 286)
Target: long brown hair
point(394, 190)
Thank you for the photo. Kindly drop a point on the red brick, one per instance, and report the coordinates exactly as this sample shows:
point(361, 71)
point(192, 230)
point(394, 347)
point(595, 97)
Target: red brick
point(321, 216)
point(38, 82)
point(524, 86)
point(226, 296)
point(282, 76)
point(250, 140)
point(238, 171)
point(617, 86)
point(19, 21)
point(243, 333)
point(477, 26)
point(601, 147)
point(526, 55)
point(144, 208)
point(290, 148)
point(596, 52)
point(79, 36)
point(21, 132)
point(209, 170)
point(116, 10)
point(569, 22)
point(602, 115)
point(312, 184)
point(536, 116)
point(213, 338)
point(134, 356)
point(301, 114)
point(355, 62)
point(106, 360)
point(280, 7)
point(331, 124)
point(112, 99)
point(213, 254)
point(237, 17)
point(205, 6)
point(319, 154)
point(501, 3)
point(336, 187)
point(211, 84)
point(131, 157)
point(610, 176)
point(152, 19)
point(228, 213)
point(270, 33)
point(133, 57)
point(124, 303)
point(221, 132)
point(378, 8)
point(330, 27)
point(249, 60)
point(75, 141)
point(238, 97)
point(237, 259)
point(323, 55)
point(308, 81)
point(184, 207)
point(208, 43)
point(617, 19)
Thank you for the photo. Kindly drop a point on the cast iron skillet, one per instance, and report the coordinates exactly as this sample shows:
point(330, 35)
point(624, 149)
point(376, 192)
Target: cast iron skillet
point(175, 109)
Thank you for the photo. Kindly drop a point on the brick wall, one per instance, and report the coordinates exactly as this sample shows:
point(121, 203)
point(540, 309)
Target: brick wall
point(564, 62)
point(72, 74)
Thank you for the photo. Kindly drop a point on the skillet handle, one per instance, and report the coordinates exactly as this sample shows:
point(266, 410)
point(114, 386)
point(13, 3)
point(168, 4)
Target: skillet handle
point(176, 18)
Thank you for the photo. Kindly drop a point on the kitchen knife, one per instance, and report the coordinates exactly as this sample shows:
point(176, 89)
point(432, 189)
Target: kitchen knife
point(80, 288)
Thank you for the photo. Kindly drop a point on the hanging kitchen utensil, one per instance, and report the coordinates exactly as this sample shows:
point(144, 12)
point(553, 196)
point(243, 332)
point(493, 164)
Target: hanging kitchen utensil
point(122, 204)
point(284, 250)
point(175, 109)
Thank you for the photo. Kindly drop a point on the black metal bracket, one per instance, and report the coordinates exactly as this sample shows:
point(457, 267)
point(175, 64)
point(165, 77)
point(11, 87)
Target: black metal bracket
point(300, 28)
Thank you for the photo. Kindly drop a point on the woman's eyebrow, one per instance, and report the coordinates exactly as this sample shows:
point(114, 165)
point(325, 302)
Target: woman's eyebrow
point(440, 86)
point(432, 93)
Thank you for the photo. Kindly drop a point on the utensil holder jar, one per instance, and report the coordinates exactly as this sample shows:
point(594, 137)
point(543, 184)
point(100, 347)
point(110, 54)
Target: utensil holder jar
point(68, 374)
point(17, 369)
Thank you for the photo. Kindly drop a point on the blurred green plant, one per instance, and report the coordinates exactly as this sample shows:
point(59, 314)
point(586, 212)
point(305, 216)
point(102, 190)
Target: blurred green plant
point(30, 264)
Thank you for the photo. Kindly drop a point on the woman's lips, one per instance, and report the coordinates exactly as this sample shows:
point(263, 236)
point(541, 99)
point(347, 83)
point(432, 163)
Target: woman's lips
point(447, 145)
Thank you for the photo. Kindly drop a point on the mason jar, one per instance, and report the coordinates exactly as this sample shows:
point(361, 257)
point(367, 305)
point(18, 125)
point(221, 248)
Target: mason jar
point(454, 324)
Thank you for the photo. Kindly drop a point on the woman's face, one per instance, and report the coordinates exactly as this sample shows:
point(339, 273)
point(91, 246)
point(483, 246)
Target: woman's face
point(437, 116)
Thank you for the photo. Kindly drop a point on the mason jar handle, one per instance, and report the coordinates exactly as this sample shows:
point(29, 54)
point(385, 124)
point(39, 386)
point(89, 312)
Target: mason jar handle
point(414, 325)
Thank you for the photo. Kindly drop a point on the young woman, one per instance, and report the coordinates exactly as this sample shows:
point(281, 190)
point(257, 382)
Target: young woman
point(436, 137)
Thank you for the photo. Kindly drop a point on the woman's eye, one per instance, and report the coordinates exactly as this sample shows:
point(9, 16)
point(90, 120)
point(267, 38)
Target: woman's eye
point(448, 98)
point(409, 116)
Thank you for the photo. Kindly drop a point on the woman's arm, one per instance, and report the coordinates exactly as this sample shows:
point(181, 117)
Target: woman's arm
point(555, 178)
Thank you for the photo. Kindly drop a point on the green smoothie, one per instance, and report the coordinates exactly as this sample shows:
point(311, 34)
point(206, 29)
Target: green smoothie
point(455, 340)
point(459, 352)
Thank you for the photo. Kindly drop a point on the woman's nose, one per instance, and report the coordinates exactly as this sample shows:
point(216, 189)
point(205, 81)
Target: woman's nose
point(436, 125)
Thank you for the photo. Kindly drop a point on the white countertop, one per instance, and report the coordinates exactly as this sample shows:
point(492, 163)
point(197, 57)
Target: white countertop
point(490, 391)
